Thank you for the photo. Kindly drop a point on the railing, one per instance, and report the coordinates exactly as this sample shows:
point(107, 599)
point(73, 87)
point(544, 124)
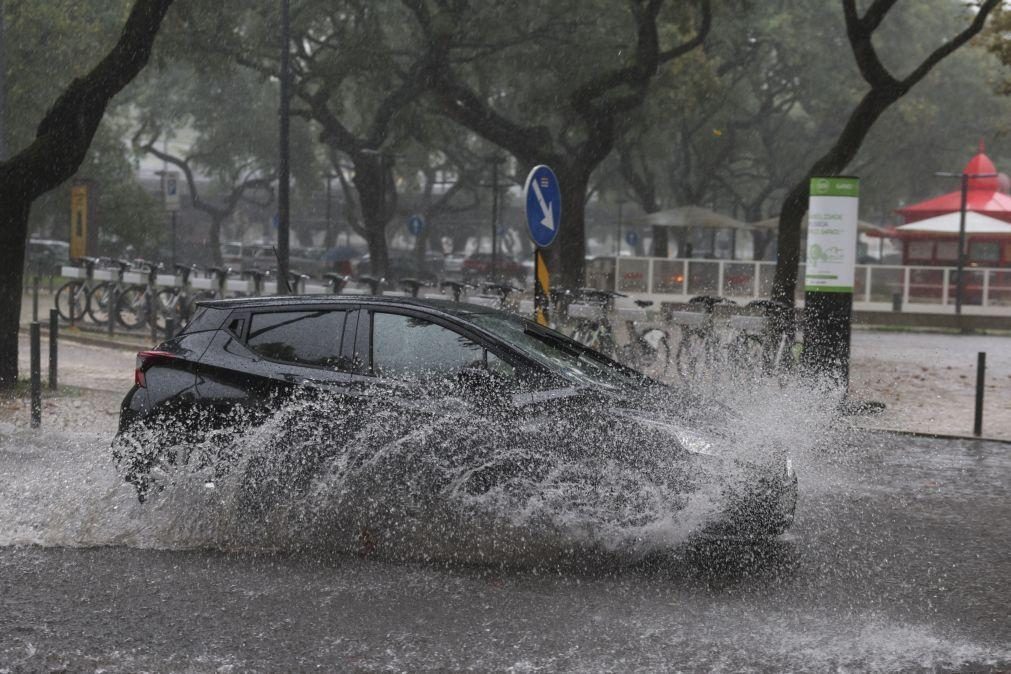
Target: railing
point(986, 291)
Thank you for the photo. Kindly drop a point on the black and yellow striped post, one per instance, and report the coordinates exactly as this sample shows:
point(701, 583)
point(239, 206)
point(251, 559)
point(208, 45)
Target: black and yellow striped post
point(542, 288)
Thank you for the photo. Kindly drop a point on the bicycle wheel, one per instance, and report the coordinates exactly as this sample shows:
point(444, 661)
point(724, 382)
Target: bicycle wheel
point(132, 310)
point(169, 304)
point(747, 354)
point(99, 299)
point(655, 341)
point(71, 293)
point(692, 354)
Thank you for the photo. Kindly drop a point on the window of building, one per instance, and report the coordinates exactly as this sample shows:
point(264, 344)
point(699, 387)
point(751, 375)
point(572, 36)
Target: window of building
point(947, 251)
point(921, 250)
point(984, 251)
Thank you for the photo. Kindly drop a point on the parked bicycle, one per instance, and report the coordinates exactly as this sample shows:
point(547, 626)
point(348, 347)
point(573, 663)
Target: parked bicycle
point(138, 303)
point(72, 296)
point(698, 349)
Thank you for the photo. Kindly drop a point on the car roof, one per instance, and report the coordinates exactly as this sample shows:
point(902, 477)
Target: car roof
point(289, 301)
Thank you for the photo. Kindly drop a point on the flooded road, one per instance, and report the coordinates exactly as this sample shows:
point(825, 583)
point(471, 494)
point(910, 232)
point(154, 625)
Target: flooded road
point(898, 561)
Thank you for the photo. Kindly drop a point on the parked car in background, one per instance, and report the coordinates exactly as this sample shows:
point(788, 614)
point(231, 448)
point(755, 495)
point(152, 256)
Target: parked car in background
point(44, 256)
point(453, 263)
point(231, 253)
point(478, 266)
point(401, 265)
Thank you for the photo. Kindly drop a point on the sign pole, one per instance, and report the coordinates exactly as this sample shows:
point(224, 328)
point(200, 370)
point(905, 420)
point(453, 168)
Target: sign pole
point(284, 152)
point(542, 289)
point(828, 281)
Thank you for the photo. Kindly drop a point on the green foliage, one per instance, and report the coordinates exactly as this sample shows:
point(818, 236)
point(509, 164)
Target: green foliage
point(49, 44)
point(739, 125)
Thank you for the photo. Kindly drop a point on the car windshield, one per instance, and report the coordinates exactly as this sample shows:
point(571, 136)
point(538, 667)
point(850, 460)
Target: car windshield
point(557, 352)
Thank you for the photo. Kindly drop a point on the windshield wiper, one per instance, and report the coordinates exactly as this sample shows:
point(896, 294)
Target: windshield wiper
point(551, 340)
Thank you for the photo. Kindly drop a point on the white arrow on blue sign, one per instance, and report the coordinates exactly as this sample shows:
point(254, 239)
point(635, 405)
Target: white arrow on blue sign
point(632, 237)
point(415, 224)
point(544, 205)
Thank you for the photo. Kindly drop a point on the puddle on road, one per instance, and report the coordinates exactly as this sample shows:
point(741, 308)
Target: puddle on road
point(61, 489)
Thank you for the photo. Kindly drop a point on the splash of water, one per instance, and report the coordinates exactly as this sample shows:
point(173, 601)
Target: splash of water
point(420, 481)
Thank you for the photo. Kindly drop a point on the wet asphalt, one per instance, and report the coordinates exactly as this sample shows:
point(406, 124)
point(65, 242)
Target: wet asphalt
point(900, 560)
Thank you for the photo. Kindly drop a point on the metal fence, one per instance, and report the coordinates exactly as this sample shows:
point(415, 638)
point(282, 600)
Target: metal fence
point(987, 291)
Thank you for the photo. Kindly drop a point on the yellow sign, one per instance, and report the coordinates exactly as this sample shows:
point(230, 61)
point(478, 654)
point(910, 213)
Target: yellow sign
point(78, 221)
point(542, 288)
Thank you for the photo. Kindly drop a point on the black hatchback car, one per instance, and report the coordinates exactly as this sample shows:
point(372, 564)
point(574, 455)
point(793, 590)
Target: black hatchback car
point(239, 360)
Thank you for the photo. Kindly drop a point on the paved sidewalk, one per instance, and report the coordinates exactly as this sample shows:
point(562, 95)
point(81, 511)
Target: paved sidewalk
point(928, 381)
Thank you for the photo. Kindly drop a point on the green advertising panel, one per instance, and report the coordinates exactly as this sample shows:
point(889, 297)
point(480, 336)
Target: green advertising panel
point(832, 235)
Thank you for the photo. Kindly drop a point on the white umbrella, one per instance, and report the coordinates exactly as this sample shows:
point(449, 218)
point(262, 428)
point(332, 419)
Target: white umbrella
point(975, 223)
point(690, 216)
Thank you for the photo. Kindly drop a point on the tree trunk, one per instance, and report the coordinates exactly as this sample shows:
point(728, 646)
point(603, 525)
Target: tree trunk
point(460, 238)
point(661, 242)
point(13, 225)
point(60, 145)
point(570, 244)
point(838, 157)
point(214, 240)
point(370, 184)
point(784, 285)
point(330, 233)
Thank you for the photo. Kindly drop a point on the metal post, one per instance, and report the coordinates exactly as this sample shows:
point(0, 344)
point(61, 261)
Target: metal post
point(494, 216)
point(36, 382)
point(3, 87)
point(284, 169)
point(542, 288)
point(170, 327)
point(113, 305)
point(617, 244)
point(977, 424)
point(35, 298)
point(174, 223)
point(961, 245)
point(151, 318)
point(326, 229)
point(54, 333)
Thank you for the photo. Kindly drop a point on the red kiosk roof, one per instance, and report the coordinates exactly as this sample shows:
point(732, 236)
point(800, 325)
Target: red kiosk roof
point(983, 196)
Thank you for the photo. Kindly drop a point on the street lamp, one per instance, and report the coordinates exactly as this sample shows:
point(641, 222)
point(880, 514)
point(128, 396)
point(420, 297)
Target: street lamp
point(284, 160)
point(329, 181)
point(961, 230)
point(617, 244)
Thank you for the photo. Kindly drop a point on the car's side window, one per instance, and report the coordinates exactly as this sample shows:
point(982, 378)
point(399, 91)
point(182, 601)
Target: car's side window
point(406, 347)
point(310, 338)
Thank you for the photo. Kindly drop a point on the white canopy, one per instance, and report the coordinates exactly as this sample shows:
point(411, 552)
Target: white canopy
point(975, 223)
point(690, 216)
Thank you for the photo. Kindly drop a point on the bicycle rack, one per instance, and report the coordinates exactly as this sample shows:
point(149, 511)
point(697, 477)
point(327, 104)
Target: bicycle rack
point(74, 272)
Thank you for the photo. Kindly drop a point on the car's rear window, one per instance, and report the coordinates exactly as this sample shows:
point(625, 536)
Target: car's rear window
point(206, 318)
point(304, 337)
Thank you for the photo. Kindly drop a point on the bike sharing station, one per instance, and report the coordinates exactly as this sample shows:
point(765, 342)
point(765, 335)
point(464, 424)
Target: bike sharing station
point(543, 198)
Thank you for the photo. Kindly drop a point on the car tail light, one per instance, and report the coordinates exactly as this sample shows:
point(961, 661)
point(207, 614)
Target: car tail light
point(146, 360)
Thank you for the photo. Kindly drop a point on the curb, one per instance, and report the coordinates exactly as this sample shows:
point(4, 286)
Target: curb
point(66, 334)
point(936, 436)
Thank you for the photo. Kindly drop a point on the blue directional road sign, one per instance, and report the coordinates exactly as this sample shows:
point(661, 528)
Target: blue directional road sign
point(415, 224)
point(632, 238)
point(544, 205)
point(275, 221)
